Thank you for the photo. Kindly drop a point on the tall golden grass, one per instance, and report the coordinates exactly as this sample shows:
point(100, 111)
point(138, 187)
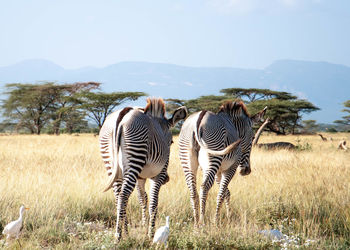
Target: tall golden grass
point(304, 193)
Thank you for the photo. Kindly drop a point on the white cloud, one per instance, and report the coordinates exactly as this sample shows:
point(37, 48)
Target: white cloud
point(188, 83)
point(299, 94)
point(156, 84)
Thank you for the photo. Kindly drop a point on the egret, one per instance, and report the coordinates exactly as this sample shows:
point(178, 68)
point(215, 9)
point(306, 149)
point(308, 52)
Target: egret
point(13, 229)
point(161, 235)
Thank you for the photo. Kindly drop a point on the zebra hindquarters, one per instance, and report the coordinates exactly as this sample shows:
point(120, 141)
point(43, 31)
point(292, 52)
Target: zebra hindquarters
point(189, 163)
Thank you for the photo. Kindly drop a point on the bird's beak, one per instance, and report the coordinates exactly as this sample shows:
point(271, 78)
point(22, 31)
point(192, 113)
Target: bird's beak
point(26, 208)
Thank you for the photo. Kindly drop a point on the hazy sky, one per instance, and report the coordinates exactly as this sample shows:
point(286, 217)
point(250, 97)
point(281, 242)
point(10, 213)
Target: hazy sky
point(237, 33)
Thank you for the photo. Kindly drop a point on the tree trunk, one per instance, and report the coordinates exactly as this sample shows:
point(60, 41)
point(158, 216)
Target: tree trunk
point(276, 131)
point(56, 126)
point(69, 129)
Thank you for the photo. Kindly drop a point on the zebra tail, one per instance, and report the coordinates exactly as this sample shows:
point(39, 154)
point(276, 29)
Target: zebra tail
point(224, 151)
point(115, 147)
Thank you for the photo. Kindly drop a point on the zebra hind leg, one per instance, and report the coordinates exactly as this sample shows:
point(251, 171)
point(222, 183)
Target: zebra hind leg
point(142, 197)
point(128, 186)
point(192, 186)
point(189, 162)
point(205, 187)
point(224, 193)
point(156, 183)
point(227, 203)
point(117, 186)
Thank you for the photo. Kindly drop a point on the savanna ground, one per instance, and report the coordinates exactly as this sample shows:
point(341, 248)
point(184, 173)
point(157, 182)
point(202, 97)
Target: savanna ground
point(303, 193)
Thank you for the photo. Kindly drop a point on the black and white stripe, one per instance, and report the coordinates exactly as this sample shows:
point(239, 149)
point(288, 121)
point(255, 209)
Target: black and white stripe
point(219, 143)
point(135, 145)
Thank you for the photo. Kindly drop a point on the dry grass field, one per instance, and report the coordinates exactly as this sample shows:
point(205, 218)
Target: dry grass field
point(303, 193)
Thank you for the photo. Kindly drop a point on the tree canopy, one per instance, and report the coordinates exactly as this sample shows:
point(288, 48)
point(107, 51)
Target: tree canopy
point(253, 94)
point(99, 105)
point(346, 119)
point(49, 105)
point(30, 105)
point(284, 109)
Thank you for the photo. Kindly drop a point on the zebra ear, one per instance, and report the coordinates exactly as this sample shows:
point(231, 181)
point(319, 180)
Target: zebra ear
point(258, 117)
point(179, 114)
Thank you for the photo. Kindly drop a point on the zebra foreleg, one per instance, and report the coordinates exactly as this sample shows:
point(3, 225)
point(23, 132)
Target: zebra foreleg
point(223, 191)
point(142, 196)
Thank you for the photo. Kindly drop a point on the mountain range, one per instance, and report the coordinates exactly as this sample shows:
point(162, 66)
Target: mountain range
point(324, 84)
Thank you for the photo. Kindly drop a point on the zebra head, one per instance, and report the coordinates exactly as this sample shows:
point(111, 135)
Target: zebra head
point(156, 108)
point(244, 123)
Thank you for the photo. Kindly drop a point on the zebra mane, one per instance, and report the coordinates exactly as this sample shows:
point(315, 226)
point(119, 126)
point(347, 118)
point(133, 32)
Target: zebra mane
point(155, 107)
point(236, 108)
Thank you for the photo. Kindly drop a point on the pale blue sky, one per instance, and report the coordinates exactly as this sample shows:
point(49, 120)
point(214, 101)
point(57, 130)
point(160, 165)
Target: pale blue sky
point(235, 33)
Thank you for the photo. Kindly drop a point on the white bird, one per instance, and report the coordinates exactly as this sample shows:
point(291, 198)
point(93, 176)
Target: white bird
point(161, 235)
point(13, 229)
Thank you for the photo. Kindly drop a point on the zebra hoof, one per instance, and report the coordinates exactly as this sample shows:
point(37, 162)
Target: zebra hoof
point(150, 236)
point(118, 236)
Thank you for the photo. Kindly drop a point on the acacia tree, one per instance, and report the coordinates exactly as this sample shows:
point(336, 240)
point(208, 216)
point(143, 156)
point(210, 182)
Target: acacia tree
point(284, 115)
point(284, 110)
point(208, 102)
point(346, 119)
point(310, 126)
point(99, 105)
point(66, 107)
point(29, 105)
point(253, 94)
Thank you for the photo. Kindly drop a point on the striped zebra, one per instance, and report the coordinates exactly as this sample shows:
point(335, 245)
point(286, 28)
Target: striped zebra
point(135, 145)
point(218, 143)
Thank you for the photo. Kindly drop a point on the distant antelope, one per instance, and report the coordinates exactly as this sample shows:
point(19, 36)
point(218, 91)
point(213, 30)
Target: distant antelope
point(323, 138)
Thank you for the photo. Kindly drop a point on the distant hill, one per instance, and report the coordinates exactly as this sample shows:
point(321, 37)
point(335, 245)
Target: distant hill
point(324, 84)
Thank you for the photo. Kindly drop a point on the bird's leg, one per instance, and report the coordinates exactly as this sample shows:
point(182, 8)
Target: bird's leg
point(19, 243)
point(3, 244)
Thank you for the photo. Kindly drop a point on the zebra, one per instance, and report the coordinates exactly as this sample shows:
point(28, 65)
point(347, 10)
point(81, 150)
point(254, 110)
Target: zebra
point(218, 143)
point(135, 145)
